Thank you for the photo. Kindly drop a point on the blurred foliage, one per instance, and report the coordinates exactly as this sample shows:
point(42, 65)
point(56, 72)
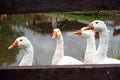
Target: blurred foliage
point(85, 15)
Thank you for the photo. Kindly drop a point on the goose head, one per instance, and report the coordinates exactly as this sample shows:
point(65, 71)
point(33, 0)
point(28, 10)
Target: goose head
point(21, 42)
point(84, 32)
point(97, 25)
point(56, 33)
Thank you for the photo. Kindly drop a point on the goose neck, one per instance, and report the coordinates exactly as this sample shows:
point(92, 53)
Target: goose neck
point(103, 44)
point(28, 57)
point(91, 47)
point(59, 52)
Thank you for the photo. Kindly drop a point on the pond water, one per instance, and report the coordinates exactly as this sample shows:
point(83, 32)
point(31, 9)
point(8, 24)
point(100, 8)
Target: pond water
point(38, 28)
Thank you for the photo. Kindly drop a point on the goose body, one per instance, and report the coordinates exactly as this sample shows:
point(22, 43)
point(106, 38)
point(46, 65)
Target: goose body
point(101, 53)
point(59, 58)
point(91, 47)
point(25, 44)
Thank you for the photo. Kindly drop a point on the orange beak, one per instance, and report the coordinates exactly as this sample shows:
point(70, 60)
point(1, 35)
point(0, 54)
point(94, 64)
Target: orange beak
point(54, 35)
point(90, 26)
point(79, 32)
point(13, 45)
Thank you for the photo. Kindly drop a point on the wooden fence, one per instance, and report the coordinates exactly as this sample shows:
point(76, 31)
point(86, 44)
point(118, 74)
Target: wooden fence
point(30, 6)
point(72, 72)
point(79, 72)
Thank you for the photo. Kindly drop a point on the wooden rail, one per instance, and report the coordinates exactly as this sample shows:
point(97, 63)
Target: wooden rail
point(31, 6)
point(80, 72)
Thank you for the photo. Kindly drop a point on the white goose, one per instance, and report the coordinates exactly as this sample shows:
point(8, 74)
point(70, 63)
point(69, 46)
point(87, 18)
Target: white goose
point(91, 47)
point(24, 43)
point(59, 58)
point(101, 53)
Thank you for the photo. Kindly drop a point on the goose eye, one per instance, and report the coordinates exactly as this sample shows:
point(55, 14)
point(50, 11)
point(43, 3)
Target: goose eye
point(21, 40)
point(96, 22)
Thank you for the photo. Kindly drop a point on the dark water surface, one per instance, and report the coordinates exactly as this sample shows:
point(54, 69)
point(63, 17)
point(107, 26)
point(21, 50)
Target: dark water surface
point(38, 28)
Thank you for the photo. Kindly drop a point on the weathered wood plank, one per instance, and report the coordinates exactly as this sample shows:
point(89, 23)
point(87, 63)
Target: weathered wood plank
point(30, 6)
point(80, 72)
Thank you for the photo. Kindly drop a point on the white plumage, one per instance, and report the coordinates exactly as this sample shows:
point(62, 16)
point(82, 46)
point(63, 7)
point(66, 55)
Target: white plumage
point(59, 58)
point(101, 53)
point(25, 44)
point(91, 47)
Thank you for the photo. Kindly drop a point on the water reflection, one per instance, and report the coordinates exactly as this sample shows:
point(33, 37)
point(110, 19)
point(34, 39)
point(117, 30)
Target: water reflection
point(38, 29)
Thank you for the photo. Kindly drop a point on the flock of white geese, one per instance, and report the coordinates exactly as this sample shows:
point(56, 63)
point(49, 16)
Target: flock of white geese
point(92, 55)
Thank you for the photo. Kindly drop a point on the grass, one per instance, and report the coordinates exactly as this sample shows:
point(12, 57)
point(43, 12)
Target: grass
point(35, 60)
point(118, 52)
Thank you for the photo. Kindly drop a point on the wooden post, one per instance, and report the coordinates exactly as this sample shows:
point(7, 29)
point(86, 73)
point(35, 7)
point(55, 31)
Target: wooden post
point(79, 72)
point(31, 6)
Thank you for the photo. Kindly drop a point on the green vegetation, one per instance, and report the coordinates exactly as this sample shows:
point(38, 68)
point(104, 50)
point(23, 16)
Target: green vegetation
point(85, 15)
point(118, 52)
